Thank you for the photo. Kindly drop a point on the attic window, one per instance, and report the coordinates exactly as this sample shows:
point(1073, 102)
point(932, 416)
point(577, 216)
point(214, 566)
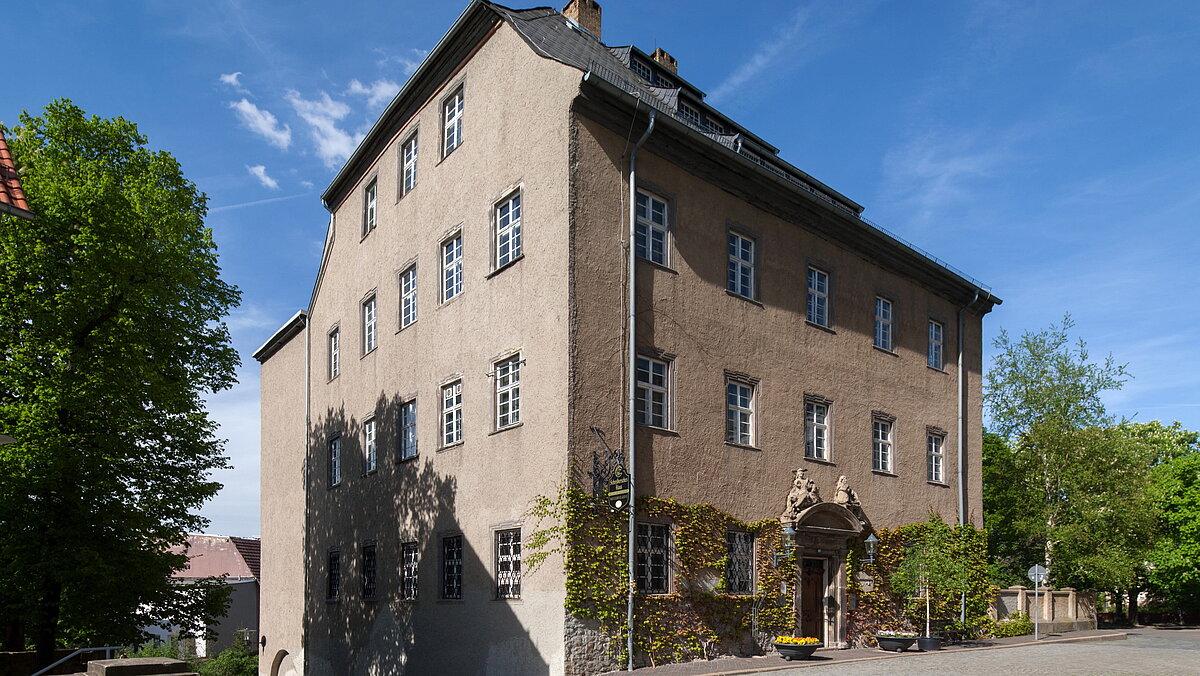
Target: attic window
point(641, 69)
point(664, 82)
point(691, 115)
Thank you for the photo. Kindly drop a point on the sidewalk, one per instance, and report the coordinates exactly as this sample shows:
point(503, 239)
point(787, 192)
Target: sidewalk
point(727, 666)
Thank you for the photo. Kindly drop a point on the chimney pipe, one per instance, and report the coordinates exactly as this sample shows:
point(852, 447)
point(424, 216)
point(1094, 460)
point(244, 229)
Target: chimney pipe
point(585, 14)
point(664, 59)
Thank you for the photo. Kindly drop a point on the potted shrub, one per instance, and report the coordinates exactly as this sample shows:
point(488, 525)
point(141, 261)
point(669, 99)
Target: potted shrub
point(895, 641)
point(929, 569)
point(796, 647)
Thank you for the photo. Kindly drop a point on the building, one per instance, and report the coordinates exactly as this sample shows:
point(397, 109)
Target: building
point(466, 344)
point(12, 196)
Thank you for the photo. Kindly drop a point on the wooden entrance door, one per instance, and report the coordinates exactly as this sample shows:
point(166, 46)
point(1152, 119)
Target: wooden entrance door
point(812, 598)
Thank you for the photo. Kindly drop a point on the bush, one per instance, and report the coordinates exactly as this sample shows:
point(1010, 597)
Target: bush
point(236, 660)
point(168, 648)
point(1017, 624)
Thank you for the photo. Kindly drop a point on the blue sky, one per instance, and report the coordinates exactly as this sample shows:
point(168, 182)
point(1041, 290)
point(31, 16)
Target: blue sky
point(1049, 149)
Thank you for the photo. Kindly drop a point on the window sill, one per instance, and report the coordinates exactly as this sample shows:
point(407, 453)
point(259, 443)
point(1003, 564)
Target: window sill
point(406, 326)
point(820, 461)
point(453, 602)
point(447, 153)
point(941, 484)
point(739, 296)
point(333, 602)
point(505, 428)
point(821, 327)
point(371, 472)
point(655, 429)
point(451, 446)
point(444, 303)
point(747, 447)
point(368, 353)
point(939, 370)
point(515, 599)
point(405, 193)
point(658, 266)
point(367, 234)
point(881, 472)
point(413, 458)
point(885, 351)
point(332, 379)
point(504, 267)
point(334, 487)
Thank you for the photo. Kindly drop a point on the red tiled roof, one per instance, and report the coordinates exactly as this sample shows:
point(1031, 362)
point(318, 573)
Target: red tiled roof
point(216, 555)
point(11, 194)
point(249, 548)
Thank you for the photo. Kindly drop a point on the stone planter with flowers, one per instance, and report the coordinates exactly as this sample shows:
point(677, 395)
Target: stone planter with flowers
point(796, 647)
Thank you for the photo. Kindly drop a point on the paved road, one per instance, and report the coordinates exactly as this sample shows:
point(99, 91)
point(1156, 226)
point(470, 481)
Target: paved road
point(1147, 651)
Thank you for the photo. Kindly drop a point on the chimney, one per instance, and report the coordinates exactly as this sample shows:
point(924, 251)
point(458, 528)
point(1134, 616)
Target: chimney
point(586, 14)
point(665, 60)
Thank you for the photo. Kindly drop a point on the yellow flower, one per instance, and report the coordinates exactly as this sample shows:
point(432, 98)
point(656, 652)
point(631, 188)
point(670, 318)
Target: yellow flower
point(797, 640)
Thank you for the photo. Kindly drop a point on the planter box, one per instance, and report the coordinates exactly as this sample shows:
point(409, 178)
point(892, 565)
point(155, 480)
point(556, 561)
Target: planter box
point(928, 643)
point(791, 652)
point(894, 644)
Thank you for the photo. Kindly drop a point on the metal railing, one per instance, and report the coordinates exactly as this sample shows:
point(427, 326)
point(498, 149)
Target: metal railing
point(109, 651)
point(732, 142)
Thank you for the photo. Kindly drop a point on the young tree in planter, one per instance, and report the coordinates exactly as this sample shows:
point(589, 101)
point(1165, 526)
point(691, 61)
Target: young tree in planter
point(931, 569)
point(111, 332)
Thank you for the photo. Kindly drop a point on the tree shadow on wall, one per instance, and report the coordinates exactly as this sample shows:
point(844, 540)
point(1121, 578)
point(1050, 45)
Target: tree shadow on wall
point(400, 501)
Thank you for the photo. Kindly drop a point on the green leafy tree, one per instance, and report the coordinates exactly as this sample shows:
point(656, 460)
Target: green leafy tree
point(111, 333)
point(1014, 532)
point(1174, 570)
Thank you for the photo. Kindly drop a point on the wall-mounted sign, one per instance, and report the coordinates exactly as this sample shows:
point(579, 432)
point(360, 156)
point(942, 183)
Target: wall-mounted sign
point(865, 581)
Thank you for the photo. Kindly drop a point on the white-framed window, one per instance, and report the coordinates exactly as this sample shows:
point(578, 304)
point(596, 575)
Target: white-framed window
point(653, 401)
point(508, 563)
point(335, 461)
point(408, 296)
point(408, 571)
point(739, 412)
point(818, 297)
point(333, 575)
point(739, 562)
point(408, 165)
point(369, 325)
point(370, 448)
point(452, 267)
point(452, 414)
point(653, 556)
point(881, 457)
point(740, 279)
point(937, 334)
point(816, 429)
point(507, 374)
point(368, 568)
point(883, 323)
point(335, 353)
point(650, 233)
point(452, 122)
point(508, 230)
point(370, 205)
point(452, 553)
point(935, 451)
point(691, 115)
point(407, 427)
point(641, 69)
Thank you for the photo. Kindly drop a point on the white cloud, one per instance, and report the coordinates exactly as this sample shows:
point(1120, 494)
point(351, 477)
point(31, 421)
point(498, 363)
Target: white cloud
point(934, 172)
point(307, 185)
point(408, 61)
point(322, 114)
point(260, 172)
point(262, 122)
point(377, 93)
point(233, 80)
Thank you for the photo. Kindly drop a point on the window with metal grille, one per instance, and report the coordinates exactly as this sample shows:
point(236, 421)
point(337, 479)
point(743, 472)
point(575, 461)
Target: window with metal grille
point(650, 233)
point(452, 414)
point(408, 165)
point(370, 336)
point(368, 571)
point(934, 446)
point(653, 393)
point(335, 461)
point(452, 267)
point(369, 207)
point(408, 296)
point(740, 279)
point(936, 333)
point(452, 550)
point(370, 452)
point(816, 430)
point(452, 122)
point(333, 575)
point(508, 230)
point(739, 412)
point(408, 571)
point(507, 375)
point(883, 324)
point(335, 353)
point(508, 564)
point(653, 548)
point(739, 562)
point(882, 452)
point(407, 426)
point(818, 297)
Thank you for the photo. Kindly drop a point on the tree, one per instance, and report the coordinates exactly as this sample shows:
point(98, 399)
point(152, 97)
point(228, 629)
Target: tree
point(1014, 530)
point(111, 333)
point(932, 569)
point(1174, 571)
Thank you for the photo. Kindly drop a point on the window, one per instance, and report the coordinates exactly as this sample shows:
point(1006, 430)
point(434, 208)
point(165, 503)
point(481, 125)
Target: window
point(335, 461)
point(452, 417)
point(650, 235)
point(741, 265)
point(408, 296)
point(408, 165)
point(508, 230)
point(739, 412)
point(653, 542)
point(883, 324)
point(508, 564)
point(934, 446)
point(653, 393)
point(369, 207)
point(691, 115)
point(335, 354)
point(452, 550)
point(370, 454)
point(452, 123)
point(408, 571)
point(407, 425)
point(370, 336)
point(333, 575)
point(882, 457)
point(818, 297)
point(368, 571)
point(739, 562)
point(507, 375)
point(641, 69)
point(452, 267)
point(936, 339)
point(816, 430)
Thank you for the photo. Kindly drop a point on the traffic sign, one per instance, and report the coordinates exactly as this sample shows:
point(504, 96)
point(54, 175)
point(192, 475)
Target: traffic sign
point(1038, 573)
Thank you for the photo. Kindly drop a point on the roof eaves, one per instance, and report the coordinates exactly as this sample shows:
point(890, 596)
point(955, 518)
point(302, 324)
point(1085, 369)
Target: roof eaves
point(281, 337)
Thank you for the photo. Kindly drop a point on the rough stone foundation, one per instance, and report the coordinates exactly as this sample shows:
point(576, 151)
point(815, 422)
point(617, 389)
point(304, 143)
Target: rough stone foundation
point(588, 650)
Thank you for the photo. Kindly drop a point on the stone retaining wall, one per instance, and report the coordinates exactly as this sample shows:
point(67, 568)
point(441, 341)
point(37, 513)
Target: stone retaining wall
point(1060, 609)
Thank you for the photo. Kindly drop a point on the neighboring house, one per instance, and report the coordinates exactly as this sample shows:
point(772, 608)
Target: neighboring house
point(12, 196)
point(466, 339)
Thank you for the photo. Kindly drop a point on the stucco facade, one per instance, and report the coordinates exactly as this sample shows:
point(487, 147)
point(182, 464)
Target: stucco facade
point(535, 124)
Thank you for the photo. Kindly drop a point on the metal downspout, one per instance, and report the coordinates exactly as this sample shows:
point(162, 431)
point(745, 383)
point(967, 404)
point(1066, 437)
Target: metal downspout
point(631, 374)
point(962, 434)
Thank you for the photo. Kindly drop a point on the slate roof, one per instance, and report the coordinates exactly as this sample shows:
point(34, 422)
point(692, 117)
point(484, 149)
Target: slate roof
point(12, 196)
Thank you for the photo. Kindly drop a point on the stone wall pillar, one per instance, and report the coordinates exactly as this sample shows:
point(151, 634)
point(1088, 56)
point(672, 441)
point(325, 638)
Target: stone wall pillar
point(1022, 599)
point(1047, 604)
point(1072, 600)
